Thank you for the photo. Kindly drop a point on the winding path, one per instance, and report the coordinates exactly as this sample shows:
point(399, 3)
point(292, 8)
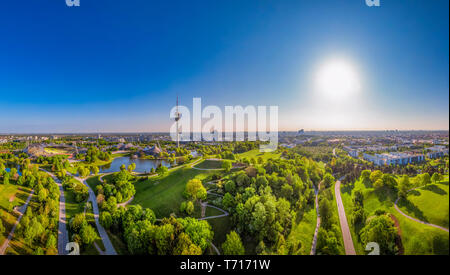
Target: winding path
point(225, 213)
point(316, 232)
point(63, 234)
point(204, 205)
point(109, 248)
point(346, 236)
point(22, 211)
point(414, 219)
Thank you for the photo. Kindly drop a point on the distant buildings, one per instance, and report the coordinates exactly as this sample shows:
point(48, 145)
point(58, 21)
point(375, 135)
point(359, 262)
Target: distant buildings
point(437, 151)
point(395, 158)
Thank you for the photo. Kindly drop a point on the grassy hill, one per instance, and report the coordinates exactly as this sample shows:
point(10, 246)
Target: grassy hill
point(164, 194)
point(416, 238)
point(429, 203)
point(10, 195)
point(256, 154)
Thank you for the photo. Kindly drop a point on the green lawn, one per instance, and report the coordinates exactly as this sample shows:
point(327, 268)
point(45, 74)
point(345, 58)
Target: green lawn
point(256, 154)
point(429, 203)
point(93, 182)
point(164, 194)
point(416, 238)
point(303, 230)
point(10, 195)
point(72, 206)
point(221, 227)
point(210, 164)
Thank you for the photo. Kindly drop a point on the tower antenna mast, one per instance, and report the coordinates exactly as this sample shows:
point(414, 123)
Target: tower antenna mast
point(177, 118)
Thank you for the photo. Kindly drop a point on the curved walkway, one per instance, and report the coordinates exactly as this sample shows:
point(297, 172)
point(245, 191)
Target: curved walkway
point(22, 211)
point(417, 220)
point(123, 204)
point(225, 213)
point(316, 232)
point(63, 234)
point(109, 248)
point(346, 236)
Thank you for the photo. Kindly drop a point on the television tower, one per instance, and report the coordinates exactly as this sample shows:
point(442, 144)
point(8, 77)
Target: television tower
point(177, 118)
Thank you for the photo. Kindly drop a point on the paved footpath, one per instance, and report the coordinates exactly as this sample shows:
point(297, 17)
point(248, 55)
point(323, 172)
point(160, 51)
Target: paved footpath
point(63, 234)
point(417, 220)
point(346, 236)
point(102, 232)
point(22, 211)
point(316, 232)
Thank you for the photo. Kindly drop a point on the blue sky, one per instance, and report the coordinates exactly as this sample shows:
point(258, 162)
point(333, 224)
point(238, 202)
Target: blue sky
point(111, 66)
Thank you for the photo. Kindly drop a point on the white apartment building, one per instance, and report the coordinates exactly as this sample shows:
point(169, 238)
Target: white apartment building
point(394, 158)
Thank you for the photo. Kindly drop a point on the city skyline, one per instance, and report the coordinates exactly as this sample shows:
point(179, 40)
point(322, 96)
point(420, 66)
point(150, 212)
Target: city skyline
point(118, 67)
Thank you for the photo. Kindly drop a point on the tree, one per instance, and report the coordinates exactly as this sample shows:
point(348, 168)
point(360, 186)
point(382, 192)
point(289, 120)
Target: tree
point(426, 179)
point(403, 187)
point(189, 208)
point(378, 184)
point(375, 175)
point(88, 234)
point(77, 222)
point(195, 189)
point(162, 170)
point(95, 170)
point(365, 176)
point(328, 180)
point(326, 213)
point(2, 228)
point(199, 231)
point(436, 178)
point(287, 191)
point(6, 179)
point(230, 186)
point(131, 167)
point(233, 245)
point(186, 247)
point(380, 229)
point(51, 241)
point(226, 165)
point(106, 219)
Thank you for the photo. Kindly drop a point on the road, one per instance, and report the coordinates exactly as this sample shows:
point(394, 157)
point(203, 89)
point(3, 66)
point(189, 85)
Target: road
point(63, 234)
point(316, 232)
point(109, 248)
point(346, 236)
point(11, 233)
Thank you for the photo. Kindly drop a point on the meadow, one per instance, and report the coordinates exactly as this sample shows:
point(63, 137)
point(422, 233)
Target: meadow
point(429, 203)
point(164, 194)
point(255, 153)
point(10, 196)
point(416, 238)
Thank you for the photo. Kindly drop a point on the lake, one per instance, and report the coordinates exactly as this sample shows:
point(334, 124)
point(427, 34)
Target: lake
point(142, 165)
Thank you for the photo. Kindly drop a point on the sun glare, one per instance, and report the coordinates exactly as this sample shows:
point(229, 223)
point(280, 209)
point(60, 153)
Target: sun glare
point(337, 79)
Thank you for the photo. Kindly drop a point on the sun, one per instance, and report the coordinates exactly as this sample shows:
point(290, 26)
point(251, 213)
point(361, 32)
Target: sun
point(337, 79)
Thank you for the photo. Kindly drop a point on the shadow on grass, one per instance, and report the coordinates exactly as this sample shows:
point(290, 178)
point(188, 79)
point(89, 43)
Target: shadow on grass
point(440, 246)
point(386, 195)
point(412, 209)
point(20, 250)
point(435, 189)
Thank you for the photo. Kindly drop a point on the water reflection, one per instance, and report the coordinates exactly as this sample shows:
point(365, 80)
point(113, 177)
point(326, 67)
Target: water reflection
point(142, 165)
